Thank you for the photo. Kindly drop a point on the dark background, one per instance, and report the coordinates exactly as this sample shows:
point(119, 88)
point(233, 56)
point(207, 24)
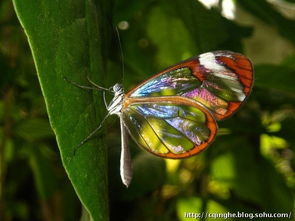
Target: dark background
point(249, 167)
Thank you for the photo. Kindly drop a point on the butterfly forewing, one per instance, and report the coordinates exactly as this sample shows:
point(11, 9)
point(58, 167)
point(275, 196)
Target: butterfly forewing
point(168, 128)
point(219, 80)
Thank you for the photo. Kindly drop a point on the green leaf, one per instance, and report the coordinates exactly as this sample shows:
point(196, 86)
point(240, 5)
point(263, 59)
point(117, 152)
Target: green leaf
point(67, 40)
point(176, 32)
point(45, 180)
point(209, 30)
point(163, 33)
point(251, 177)
point(278, 77)
point(34, 129)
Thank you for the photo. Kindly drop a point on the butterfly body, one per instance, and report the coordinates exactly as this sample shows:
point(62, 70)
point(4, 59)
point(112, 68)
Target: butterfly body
point(116, 104)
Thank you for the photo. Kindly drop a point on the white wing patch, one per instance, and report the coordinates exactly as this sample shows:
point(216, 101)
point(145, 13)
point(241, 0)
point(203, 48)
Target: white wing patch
point(208, 61)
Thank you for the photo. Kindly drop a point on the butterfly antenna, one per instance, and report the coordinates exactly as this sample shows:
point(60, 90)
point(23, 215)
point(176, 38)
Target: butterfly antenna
point(99, 87)
point(91, 134)
point(121, 53)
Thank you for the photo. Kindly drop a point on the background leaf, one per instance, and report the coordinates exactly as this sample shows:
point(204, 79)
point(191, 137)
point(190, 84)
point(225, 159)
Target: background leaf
point(278, 77)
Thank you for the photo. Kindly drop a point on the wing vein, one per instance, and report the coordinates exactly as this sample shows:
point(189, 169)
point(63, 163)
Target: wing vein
point(179, 131)
point(137, 133)
point(152, 129)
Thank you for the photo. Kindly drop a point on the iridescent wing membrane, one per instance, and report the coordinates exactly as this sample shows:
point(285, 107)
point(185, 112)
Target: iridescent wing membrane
point(173, 113)
point(168, 128)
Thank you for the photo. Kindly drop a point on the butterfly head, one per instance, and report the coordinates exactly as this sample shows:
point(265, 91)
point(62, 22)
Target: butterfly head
point(115, 105)
point(118, 89)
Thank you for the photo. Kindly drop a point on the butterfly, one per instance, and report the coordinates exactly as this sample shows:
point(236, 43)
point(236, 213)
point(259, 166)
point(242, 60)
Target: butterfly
point(173, 114)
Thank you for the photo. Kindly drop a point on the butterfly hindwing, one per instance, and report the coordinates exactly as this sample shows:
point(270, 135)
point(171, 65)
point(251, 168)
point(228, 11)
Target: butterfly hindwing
point(169, 128)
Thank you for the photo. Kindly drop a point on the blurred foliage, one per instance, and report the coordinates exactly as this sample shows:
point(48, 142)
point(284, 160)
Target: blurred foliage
point(249, 167)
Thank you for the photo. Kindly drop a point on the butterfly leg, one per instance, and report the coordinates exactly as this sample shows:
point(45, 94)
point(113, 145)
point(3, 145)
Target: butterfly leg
point(90, 135)
point(104, 99)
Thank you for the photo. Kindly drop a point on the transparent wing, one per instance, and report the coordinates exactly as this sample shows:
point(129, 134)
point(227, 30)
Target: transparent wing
point(169, 129)
point(219, 80)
